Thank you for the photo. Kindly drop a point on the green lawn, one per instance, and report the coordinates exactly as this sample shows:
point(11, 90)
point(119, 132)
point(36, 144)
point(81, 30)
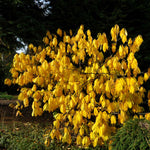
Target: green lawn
point(4, 95)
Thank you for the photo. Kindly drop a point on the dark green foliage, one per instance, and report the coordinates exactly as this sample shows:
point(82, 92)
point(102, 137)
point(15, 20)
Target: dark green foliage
point(134, 135)
point(5, 65)
point(27, 20)
point(4, 73)
point(101, 15)
point(23, 20)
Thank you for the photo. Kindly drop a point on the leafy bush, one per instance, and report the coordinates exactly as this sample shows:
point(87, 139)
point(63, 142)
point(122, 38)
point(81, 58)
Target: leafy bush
point(134, 135)
point(94, 85)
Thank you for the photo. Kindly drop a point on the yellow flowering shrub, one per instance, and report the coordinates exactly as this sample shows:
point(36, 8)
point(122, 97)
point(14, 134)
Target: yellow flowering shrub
point(95, 85)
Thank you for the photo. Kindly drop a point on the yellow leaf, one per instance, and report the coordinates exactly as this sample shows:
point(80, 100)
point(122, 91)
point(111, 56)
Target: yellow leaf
point(88, 32)
point(95, 111)
point(46, 40)
point(26, 102)
point(114, 33)
point(72, 103)
point(75, 59)
point(81, 131)
point(104, 70)
point(49, 87)
point(66, 137)
point(132, 89)
point(55, 42)
point(119, 85)
point(113, 47)
point(102, 130)
point(67, 39)
point(134, 64)
point(79, 140)
point(129, 104)
point(108, 86)
point(95, 142)
point(138, 40)
point(95, 43)
point(92, 135)
point(146, 77)
point(8, 82)
point(105, 47)
point(56, 123)
point(86, 141)
point(45, 107)
point(59, 32)
point(53, 134)
point(11, 105)
point(123, 35)
point(62, 108)
point(147, 116)
point(121, 50)
point(129, 41)
point(113, 119)
point(140, 80)
point(18, 113)
point(47, 142)
point(34, 88)
point(30, 46)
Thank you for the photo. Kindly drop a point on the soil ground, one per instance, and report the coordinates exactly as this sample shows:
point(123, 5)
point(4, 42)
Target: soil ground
point(8, 114)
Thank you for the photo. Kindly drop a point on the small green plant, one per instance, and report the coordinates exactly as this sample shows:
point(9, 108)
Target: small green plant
point(134, 135)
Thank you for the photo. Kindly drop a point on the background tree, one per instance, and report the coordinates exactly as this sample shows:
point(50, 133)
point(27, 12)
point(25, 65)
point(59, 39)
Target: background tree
point(101, 15)
point(23, 20)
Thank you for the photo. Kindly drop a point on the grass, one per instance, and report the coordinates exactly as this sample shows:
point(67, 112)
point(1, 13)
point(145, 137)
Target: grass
point(22, 136)
point(5, 96)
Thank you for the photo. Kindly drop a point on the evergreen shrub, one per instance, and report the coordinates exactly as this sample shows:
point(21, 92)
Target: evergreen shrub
point(134, 135)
